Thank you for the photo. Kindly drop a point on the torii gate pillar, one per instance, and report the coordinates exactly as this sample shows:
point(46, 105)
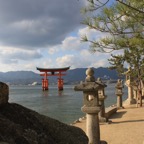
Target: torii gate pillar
point(60, 84)
point(45, 82)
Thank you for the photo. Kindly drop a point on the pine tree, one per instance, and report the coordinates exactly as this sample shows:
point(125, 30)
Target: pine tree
point(123, 21)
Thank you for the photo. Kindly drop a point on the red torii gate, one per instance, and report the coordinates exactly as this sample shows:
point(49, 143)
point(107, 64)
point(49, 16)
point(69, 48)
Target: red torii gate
point(52, 72)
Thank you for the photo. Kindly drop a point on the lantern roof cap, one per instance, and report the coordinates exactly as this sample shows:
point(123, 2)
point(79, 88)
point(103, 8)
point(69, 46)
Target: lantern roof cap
point(88, 86)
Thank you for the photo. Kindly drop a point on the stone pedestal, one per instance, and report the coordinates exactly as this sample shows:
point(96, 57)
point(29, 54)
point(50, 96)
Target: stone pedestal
point(92, 128)
point(102, 97)
point(92, 124)
point(130, 99)
point(102, 117)
point(119, 101)
point(119, 93)
point(135, 94)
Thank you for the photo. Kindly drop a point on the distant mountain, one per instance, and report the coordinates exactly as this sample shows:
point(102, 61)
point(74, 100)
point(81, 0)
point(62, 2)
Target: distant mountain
point(78, 74)
point(73, 76)
point(19, 77)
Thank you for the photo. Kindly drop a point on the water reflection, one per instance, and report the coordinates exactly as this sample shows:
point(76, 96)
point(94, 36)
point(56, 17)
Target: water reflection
point(48, 93)
point(45, 93)
point(60, 93)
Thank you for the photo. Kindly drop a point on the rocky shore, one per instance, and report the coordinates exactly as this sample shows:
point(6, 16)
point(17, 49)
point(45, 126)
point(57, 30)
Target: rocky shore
point(20, 125)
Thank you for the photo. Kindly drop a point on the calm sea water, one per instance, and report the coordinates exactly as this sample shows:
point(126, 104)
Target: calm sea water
point(64, 106)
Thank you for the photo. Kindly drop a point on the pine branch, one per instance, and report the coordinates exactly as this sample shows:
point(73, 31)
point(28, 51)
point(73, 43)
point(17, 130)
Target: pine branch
point(131, 7)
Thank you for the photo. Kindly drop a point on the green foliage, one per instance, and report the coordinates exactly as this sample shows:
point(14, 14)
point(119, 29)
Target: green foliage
point(123, 24)
point(117, 62)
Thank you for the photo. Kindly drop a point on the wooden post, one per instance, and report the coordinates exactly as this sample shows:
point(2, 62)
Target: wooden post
point(60, 81)
point(45, 82)
point(60, 84)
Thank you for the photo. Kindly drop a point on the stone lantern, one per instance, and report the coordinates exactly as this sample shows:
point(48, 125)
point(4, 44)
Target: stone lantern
point(129, 83)
point(91, 106)
point(119, 93)
point(102, 97)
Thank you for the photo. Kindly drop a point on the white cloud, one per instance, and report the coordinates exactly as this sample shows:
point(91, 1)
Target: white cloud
point(53, 50)
point(100, 63)
point(69, 60)
point(118, 52)
point(92, 33)
point(71, 43)
point(85, 53)
point(66, 60)
point(18, 54)
point(83, 59)
point(71, 52)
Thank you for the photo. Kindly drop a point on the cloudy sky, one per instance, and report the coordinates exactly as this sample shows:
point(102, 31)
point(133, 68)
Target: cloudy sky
point(44, 33)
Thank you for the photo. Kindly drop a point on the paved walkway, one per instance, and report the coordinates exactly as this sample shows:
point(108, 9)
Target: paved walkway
point(127, 126)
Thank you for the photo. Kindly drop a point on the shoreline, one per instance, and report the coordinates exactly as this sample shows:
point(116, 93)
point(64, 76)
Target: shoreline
point(108, 111)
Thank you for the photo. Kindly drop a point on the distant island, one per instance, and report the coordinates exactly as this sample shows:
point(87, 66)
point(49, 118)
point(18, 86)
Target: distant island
point(73, 76)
